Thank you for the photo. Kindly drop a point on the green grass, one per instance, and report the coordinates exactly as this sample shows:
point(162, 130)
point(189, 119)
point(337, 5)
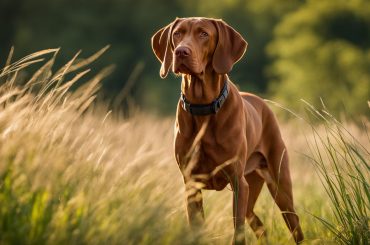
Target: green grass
point(73, 172)
point(342, 162)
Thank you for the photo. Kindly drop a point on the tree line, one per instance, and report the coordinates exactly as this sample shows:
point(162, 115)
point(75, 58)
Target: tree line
point(298, 49)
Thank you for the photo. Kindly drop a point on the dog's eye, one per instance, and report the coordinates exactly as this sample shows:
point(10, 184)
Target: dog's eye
point(203, 34)
point(176, 34)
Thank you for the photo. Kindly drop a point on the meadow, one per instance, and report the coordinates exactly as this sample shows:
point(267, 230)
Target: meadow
point(74, 172)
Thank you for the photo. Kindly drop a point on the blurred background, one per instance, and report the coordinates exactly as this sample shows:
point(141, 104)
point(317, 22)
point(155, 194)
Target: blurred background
point(298, 49)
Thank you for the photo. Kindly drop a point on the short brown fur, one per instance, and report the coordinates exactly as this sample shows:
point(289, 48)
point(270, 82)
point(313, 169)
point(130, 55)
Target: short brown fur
point(241, 144)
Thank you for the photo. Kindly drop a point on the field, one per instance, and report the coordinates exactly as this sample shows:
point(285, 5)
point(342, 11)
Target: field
point(73, 172)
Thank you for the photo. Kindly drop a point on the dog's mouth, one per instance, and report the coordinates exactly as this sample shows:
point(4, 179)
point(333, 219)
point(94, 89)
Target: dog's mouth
point(180, 67)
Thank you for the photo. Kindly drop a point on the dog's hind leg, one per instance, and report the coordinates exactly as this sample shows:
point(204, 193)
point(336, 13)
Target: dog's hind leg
point(279, 183)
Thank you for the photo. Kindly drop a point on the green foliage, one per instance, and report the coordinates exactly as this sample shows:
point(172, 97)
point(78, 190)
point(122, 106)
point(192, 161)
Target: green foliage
point(322, 50)
point(128, 26)
point(297, 49)
point(342, 163)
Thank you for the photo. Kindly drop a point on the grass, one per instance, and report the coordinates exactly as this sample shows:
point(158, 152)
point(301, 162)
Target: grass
point(73, 172)
point(342, 163)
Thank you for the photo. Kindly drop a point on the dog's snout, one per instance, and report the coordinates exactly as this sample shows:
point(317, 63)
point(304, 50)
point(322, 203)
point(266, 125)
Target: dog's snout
point(182, 52)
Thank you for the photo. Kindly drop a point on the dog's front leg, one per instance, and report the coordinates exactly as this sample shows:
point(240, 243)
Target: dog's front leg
point(194, 201)
point(240, 200)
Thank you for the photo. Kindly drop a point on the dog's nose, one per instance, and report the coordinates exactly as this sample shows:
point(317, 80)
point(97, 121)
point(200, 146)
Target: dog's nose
point(182, 52)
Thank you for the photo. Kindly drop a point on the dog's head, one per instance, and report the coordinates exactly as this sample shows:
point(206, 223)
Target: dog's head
point(190, 45)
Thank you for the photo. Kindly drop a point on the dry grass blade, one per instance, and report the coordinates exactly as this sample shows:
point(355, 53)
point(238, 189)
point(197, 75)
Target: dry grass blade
point(10, 81)
point(10, 56)
point(192, 155)
point(73, 172)
point(26, 61)
point(44, 70)
point(84, 62)
point(92, 86)
point(56, 79)
point(60, 91)
point(5, 97)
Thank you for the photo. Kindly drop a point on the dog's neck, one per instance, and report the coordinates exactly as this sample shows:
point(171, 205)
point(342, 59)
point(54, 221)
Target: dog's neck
point(202, 89)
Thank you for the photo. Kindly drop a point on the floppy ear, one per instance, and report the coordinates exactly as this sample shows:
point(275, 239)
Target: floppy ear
point(230, 48)
point(161, 45)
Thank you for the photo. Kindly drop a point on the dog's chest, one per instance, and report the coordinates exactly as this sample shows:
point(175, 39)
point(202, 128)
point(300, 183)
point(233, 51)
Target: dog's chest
point(212, 166)
point(208, 160)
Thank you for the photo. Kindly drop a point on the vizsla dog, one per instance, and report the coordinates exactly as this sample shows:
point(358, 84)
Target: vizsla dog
point(223, 136)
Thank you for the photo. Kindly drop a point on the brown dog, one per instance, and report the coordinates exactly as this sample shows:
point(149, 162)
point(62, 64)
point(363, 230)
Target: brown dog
point(223, 136)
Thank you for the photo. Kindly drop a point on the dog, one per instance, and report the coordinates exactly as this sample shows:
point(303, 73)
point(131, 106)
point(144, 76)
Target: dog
point(223, 136)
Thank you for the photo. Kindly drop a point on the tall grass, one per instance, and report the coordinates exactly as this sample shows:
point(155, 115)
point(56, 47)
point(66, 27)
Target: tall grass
point(342, 163)
point(70, 177)
point(73, 172)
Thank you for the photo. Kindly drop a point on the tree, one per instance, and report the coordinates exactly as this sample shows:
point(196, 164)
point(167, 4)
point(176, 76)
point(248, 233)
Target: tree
point(323, 51)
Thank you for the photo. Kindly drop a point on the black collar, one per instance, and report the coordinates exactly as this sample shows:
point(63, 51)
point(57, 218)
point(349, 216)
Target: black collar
point(201, 109)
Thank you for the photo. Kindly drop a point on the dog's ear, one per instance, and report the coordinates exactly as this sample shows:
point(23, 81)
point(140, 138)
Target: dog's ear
point(161, 45)
point(229, 49)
